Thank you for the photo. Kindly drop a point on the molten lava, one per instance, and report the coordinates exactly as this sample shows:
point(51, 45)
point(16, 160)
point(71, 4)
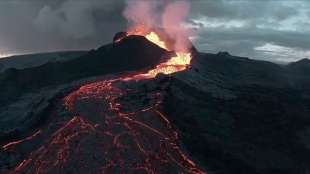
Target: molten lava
point(153, 37)
point(177, 63)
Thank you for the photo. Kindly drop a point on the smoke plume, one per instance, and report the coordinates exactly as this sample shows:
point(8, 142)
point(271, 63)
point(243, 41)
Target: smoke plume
point(140, 12)
point(172, 20)
point(168, 15)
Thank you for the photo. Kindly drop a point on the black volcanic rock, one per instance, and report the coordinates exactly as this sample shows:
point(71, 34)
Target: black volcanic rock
point(242, 116)
point(119, 36)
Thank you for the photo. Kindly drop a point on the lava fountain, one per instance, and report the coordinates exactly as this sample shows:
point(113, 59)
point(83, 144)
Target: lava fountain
point(177, 63)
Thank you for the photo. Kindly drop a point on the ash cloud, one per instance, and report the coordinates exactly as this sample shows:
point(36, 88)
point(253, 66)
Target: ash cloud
point(72, 19)
point(43, 25)
point(81, 20)
point(143, 13)
point(75, 22)
point(169, 15)
point(173, 17)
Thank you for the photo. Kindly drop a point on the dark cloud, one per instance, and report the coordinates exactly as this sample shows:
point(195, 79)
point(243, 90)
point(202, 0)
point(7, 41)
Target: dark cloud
point(42, 25)
point(237, 26)
point(244, 9)
point(240, 27)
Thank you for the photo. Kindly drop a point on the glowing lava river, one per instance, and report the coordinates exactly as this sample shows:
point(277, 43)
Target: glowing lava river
point(116, 127)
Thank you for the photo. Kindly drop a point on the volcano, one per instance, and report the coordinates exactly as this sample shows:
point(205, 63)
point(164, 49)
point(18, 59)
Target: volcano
point(138, 106)
point(109, 127)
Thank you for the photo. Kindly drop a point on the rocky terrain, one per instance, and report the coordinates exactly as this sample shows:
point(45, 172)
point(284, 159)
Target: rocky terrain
point(238, 115)
point(225, 114)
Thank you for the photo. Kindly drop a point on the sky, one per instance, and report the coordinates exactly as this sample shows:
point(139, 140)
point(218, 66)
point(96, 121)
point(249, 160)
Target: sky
point(273, 30)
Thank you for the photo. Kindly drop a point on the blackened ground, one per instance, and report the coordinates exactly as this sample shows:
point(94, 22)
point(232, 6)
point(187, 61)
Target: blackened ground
point(240, 116)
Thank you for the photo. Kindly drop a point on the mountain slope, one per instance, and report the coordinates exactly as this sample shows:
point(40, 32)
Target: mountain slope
point(242, 116)
point(225, 114)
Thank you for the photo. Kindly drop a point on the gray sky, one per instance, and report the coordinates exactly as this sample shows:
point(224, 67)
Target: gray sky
point(274, 30)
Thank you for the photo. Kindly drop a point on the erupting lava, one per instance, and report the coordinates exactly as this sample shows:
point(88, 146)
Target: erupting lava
point(105, 137)
point(177, 63)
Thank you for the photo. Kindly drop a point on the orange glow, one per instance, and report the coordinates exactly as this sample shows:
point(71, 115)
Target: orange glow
point(177, 63)
point(153, 37)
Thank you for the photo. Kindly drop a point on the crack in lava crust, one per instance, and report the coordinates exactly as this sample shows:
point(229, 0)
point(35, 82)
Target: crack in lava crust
point(103, 139)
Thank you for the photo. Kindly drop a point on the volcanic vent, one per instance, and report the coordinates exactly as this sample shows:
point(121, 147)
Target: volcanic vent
point(178, 62)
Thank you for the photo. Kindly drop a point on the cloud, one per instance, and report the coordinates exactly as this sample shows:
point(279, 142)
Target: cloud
point(72, 19)
point(241, 27)
point(245, 9)
point(39, 26)
point(281, 53)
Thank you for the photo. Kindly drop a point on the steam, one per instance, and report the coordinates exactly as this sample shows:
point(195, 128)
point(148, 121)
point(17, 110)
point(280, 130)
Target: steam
point(172, 20)
point(77, 19)
point(141, 12)
point(170, 16)
point(72, 19)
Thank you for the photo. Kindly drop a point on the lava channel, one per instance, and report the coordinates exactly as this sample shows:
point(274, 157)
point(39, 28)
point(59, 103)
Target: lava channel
point(102, 137)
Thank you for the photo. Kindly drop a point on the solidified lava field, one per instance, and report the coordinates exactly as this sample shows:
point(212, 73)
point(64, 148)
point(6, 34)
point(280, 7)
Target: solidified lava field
point(116, 127)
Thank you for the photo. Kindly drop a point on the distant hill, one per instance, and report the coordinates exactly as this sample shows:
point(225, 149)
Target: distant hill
point(33, 60)
point(301, 66)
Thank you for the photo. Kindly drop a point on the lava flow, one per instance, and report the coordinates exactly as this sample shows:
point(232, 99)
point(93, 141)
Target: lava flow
point(116, 128)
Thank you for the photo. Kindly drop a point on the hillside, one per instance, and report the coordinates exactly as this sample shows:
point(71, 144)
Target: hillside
point(231, 114)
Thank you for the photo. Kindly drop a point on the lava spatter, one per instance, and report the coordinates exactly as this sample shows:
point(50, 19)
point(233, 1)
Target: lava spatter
point(104, 137)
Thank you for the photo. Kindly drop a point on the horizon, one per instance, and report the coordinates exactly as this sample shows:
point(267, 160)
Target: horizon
point(6, 56)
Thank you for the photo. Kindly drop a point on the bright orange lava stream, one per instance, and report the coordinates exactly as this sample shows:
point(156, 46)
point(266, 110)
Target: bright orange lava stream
point(177, 63)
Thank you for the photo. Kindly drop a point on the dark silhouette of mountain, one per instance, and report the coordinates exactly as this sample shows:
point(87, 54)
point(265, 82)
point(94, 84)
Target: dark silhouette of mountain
point(300, 72)
point(233, 114)
point(34, 60)
point(132, 53)
point(300, 67)
point(1, 66)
